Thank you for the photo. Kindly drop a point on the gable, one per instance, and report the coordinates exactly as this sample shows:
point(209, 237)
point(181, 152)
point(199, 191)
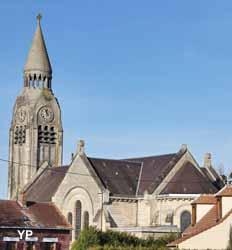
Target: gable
point(189, 180)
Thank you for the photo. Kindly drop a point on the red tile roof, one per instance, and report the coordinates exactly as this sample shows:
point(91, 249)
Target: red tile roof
point(205, 199)
point(207, 222)
point(34, 215)
point(226, 191)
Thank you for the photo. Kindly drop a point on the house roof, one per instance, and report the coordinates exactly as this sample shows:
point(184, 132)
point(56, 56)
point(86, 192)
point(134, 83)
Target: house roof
point(226, 191)
point(205, 199)
point(189, 180)
point(45, 186)
point(207, 222)
point(34, 215)
point(120, 177)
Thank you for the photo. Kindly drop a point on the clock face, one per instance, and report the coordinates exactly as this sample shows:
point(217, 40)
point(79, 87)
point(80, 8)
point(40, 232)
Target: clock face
point(46, 114)
point(21, 115)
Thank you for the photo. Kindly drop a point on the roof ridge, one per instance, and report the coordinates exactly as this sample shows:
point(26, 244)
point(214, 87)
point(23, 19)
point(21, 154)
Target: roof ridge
point(119, 160)
point(132, 159)
point(150, 156)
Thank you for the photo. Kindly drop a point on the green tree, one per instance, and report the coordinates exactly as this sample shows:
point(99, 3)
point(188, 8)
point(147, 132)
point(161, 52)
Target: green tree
point(88, 237)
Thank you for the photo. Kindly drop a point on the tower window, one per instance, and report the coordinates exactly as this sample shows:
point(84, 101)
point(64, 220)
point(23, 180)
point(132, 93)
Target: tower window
point(20, 135)
point(46, 134)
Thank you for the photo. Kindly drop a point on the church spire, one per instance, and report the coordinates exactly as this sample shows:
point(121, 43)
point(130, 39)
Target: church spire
point(38, 70)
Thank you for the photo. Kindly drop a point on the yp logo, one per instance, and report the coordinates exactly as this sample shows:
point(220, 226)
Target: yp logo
point(25, 234)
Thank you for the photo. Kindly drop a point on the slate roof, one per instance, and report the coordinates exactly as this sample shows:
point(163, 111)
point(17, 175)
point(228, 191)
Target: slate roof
point(45, 186)
point(35, 215)
point(219, 182)
point(133, 176)
point(189, 180)
point(129, 177)
point(154, 169)
point(119, 176)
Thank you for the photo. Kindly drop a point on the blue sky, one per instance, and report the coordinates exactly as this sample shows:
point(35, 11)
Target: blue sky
point(132, 77)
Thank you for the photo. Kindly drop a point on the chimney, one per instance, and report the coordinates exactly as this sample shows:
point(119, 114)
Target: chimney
point(81, 147)
point(207, 160)
point(219, 207)
point(194, 214)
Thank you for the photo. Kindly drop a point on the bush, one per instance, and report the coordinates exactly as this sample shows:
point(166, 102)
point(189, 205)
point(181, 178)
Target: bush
point(88, 237)
point(93, 239)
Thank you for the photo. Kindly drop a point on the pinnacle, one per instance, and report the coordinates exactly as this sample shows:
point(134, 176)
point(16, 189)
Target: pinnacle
point(38, 61)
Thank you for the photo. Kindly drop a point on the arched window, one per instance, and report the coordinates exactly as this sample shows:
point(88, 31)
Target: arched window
point(70, 221)
point(70, 218)
point(185, 220)
point(78, 214)
point(86, 219)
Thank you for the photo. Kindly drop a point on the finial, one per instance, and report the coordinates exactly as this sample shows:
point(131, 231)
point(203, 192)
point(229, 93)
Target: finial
point(39, 17)
point(184, 147)
point(207, 160)
point(81, 147)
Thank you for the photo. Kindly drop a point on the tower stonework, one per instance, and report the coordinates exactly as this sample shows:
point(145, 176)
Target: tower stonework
point(36, 133)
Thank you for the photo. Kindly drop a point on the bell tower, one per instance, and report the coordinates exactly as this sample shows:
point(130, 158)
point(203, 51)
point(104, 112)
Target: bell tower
point(36, 133)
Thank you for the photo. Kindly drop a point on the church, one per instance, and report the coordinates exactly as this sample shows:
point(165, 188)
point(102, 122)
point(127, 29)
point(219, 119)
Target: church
point(144, 196)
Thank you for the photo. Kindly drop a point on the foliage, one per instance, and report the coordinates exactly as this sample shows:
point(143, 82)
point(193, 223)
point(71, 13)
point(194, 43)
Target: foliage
point(88, 237)
point(93, 239)
point(109, 247)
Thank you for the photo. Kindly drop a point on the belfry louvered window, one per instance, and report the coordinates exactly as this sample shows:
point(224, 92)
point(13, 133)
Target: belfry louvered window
point(46, 134)
point(78, 214)
point(20, 135)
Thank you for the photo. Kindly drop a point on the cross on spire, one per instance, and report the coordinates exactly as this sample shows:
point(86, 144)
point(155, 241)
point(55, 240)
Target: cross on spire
point(39, 17)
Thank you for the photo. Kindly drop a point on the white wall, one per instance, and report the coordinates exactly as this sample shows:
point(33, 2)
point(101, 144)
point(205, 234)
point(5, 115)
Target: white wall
point(214, 238)
point(202, 209)
point(226, 205)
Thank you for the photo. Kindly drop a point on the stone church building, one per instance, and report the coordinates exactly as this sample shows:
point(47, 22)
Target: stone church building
point(143, 196)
